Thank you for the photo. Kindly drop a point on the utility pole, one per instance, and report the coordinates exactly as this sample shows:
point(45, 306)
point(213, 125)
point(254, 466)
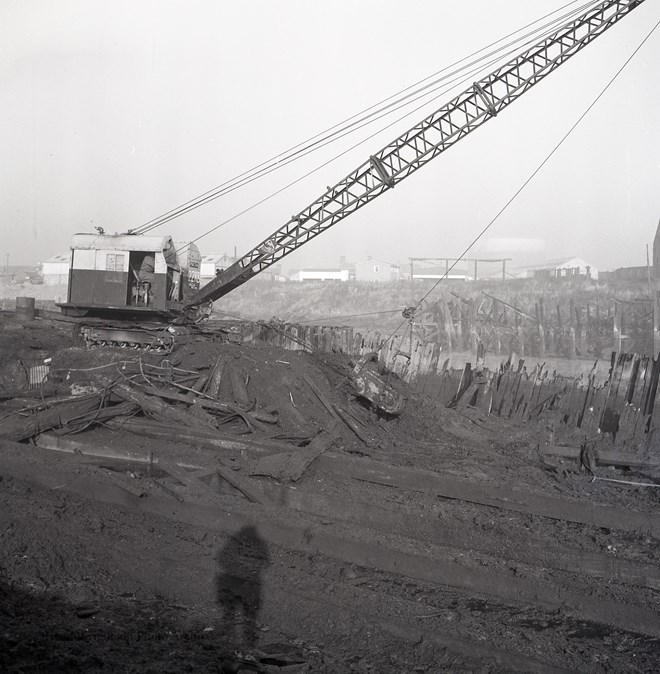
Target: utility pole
point(656, 293)
point(648, 271)
point(7, 264)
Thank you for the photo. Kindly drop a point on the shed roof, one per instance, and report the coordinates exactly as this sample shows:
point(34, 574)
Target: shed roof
point(213, 257)
point(560, 262)
point(377, 261)
point(60, 257)
point(130, 242)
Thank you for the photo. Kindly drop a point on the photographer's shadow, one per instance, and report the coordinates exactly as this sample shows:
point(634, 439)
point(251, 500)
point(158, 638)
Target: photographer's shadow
point(238, 585)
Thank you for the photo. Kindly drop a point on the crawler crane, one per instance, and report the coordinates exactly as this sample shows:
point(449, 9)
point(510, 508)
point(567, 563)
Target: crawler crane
point(105, 275)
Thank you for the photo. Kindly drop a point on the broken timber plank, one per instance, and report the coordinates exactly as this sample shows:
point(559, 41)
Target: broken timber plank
point(239, 388)
point(200, 383)
point(244, 485)
point(170, 492)
point(206, 403)
point(498, 497)
point(183, 476)
point(101, 453)
point(301, 537)
point(213, 385)
point(105, 413)
point(290, 466)
point(420, 526)
point(428, 482)
point(389, 520)
point(206, 418)
point(289, 409)
point(352, 426)
point(325, 402)
point(122, 483)
point(17, 427)
point(613, 458)
point(156, 407)
point(197, 436)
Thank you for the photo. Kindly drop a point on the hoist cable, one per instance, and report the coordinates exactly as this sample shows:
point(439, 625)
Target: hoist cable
point(533, 174)
point(314, 170)
point(305, 147)
point(282, 159)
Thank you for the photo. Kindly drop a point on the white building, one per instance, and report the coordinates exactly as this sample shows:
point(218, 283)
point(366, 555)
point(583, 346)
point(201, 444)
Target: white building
point(376, 270)
point(210, 263)
point(421, 273)
point(563, 268)
point(55, 270)
point(323, 274)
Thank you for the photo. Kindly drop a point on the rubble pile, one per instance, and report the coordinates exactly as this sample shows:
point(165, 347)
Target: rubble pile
point(218, 390)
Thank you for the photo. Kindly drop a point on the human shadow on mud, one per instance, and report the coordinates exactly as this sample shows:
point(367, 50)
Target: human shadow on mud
point(241, 563)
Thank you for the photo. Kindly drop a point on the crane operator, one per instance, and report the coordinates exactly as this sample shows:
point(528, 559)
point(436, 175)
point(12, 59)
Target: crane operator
point(146, 275)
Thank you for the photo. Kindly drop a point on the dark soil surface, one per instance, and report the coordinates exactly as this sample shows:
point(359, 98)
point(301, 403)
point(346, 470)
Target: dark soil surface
point(94, 586)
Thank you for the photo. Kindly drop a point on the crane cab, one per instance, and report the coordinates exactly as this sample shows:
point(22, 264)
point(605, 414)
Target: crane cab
point(119, 274)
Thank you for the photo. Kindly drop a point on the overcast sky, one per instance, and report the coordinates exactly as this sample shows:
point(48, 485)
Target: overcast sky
point(112, 113)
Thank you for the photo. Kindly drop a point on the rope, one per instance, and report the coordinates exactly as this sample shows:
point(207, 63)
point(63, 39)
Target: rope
point(534, 173)
point(468, 78)
point(347, 126)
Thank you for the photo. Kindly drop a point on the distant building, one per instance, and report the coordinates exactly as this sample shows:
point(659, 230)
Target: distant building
point(376, 270)
point(562, 268)
point(434, 273)
point(55, 270)
point(640, 273)
point(210, 263)
point(273, 273)
point(213, 262)
point(320, 274)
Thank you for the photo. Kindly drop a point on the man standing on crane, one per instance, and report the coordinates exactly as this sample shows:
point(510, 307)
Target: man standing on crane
point(146, 275)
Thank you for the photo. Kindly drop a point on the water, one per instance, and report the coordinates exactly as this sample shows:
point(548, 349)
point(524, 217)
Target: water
point(563, 366)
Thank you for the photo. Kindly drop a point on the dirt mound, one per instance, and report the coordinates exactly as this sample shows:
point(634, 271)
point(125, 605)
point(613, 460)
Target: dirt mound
point(27, 345)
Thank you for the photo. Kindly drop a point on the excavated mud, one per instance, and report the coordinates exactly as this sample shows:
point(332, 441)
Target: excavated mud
point(365, 561)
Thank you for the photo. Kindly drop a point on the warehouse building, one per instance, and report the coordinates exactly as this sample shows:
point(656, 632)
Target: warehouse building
point(55, 270)
point(377, 270)
point(567, 268)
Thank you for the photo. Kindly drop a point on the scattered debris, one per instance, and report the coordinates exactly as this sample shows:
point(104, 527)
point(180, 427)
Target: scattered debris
point(351, 424)
point(21, 426)
point(628, 483)
point(195, 434)
point(290, 466)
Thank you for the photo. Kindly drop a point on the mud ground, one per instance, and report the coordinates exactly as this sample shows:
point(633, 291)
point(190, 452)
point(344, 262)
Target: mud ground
point(89, 586)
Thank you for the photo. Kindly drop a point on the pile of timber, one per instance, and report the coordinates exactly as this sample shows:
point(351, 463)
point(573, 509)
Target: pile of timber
point(214, 411)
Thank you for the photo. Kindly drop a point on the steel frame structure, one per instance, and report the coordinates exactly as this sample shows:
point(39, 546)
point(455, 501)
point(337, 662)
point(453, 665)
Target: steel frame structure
point(456, 260)
point(426, 140)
